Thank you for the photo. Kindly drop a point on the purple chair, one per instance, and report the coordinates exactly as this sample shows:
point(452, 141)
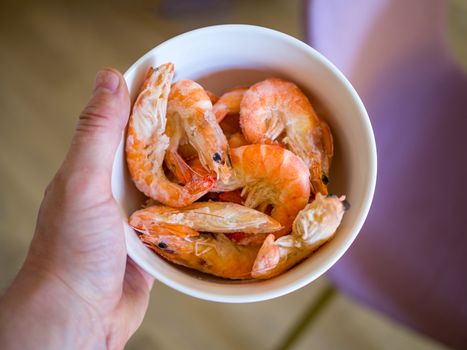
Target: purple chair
point(410, 260)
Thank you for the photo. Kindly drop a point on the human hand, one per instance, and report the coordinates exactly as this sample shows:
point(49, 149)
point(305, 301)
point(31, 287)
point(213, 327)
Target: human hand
point(77, 289)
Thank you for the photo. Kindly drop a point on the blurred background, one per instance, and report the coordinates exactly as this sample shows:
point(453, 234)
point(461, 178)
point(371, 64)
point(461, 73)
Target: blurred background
point(49, 54)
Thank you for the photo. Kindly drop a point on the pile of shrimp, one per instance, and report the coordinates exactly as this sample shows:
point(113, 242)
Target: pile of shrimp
point(237, 183)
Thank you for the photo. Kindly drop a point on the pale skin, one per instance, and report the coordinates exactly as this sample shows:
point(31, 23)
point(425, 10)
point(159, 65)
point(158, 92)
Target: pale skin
point(77, 289)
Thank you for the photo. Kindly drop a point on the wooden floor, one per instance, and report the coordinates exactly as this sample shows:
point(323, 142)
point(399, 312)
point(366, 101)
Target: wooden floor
point(49, 54)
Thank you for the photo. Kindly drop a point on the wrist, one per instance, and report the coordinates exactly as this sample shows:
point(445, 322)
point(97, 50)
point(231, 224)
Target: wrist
point(41, 311)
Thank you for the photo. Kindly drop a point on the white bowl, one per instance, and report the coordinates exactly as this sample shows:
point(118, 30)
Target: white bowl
point(221, 57)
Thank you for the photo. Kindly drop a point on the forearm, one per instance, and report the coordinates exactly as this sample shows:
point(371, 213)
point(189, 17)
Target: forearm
point(39, 312)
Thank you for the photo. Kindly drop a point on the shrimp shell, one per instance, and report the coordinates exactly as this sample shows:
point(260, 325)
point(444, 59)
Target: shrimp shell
point(190, 102)
point(274, 106)
point(315, 225)
point(216, 217)
point(147, 142)
point(270, 175)
point(229, 103)
point(210, 253)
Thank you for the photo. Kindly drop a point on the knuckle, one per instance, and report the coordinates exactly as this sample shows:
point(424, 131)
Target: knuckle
point(94, 118)
point(99, 113)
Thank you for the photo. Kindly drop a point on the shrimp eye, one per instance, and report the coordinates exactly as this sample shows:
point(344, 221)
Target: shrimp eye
point(217, 157)
point(325, 179)
point(162, 245)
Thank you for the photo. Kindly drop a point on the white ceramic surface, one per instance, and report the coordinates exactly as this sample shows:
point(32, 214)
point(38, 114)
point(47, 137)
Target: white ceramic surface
point(221, 57)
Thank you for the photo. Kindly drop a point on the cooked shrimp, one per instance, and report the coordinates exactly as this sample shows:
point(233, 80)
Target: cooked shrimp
point(192, 105)
point(216, 217)
point(146, 144)
point(314, 226)
point(229, 103)
point(270, 175)
point(213, 254)
point(210, 253)
point(274, 106)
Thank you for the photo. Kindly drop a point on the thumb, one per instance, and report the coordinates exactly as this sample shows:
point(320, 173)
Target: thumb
point(100, 125)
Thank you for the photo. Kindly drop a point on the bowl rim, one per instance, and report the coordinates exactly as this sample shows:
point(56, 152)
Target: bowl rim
point(367, 198)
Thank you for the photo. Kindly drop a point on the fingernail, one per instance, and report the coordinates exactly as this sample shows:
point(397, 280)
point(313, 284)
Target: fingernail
point(107, 79)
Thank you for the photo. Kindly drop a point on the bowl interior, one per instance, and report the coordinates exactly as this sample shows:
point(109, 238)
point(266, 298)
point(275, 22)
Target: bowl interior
point(223, 57)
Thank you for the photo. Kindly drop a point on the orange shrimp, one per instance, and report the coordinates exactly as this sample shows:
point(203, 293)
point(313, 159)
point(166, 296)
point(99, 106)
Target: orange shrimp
point(229, 103)
point(173, 234)
point(193, 108)
point(213, 254)
point(147, 142)
point(270, 176)
point(315, 225)
point(274, 106)
point(216, 217)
